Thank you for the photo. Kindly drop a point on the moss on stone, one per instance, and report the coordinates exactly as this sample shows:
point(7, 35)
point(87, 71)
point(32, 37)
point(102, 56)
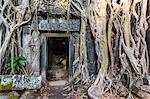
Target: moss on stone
point(8, 86)
point(13, 97)
point(134, 89)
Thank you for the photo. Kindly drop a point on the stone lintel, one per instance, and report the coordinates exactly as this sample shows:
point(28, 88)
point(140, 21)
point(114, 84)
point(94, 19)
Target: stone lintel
point(59, 24)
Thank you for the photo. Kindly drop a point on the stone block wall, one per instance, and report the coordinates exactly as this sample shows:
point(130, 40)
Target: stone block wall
point(19, 82)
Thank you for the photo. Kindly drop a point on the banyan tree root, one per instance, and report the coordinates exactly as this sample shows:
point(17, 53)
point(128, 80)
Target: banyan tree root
point(83, 51)
point(12, 17)
point(97, 17)
point(81, 73)
point(132, 46)
point(82, 68)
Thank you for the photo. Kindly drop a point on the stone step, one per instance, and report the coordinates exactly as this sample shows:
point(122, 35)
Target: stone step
point(58, 83)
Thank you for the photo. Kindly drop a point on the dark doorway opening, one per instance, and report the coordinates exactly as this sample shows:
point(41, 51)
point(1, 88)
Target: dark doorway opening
point(58, 55)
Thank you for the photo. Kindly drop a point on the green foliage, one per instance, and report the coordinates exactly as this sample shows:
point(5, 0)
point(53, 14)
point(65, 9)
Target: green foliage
point(18, 64)
point(8, 86)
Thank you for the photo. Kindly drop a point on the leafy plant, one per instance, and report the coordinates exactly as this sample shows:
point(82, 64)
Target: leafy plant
point(18, 64)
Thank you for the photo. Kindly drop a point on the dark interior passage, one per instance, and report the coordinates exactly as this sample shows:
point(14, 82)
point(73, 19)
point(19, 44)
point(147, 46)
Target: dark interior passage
point(58, 52)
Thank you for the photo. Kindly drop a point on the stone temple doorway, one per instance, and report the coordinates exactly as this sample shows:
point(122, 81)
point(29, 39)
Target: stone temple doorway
point(58, 55)
point(55, 56)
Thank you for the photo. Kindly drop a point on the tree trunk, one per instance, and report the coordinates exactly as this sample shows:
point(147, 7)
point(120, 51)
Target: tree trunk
point(100, 35)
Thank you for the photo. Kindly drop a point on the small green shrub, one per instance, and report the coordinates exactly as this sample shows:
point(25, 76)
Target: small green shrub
point(18, 64)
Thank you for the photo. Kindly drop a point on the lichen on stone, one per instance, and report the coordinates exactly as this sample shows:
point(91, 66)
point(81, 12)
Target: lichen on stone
point(13, 97)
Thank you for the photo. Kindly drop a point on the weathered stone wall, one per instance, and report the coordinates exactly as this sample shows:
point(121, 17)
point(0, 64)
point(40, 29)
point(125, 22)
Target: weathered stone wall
point(91, 54)
point(55, 7)
point(19, 82)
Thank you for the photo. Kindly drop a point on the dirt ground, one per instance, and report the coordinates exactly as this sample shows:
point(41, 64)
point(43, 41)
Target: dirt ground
point(57, 92)
point(54, 90)
point(51, 90)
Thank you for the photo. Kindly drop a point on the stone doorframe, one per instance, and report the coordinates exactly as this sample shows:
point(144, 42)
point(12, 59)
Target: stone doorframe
point(44, 53)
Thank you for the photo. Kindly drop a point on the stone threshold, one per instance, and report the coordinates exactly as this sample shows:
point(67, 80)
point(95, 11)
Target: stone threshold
point(58, 83)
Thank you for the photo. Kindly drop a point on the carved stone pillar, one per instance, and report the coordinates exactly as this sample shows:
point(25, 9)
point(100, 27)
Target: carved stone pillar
point(26, 48)
point(35, 52)
point(31, 50)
